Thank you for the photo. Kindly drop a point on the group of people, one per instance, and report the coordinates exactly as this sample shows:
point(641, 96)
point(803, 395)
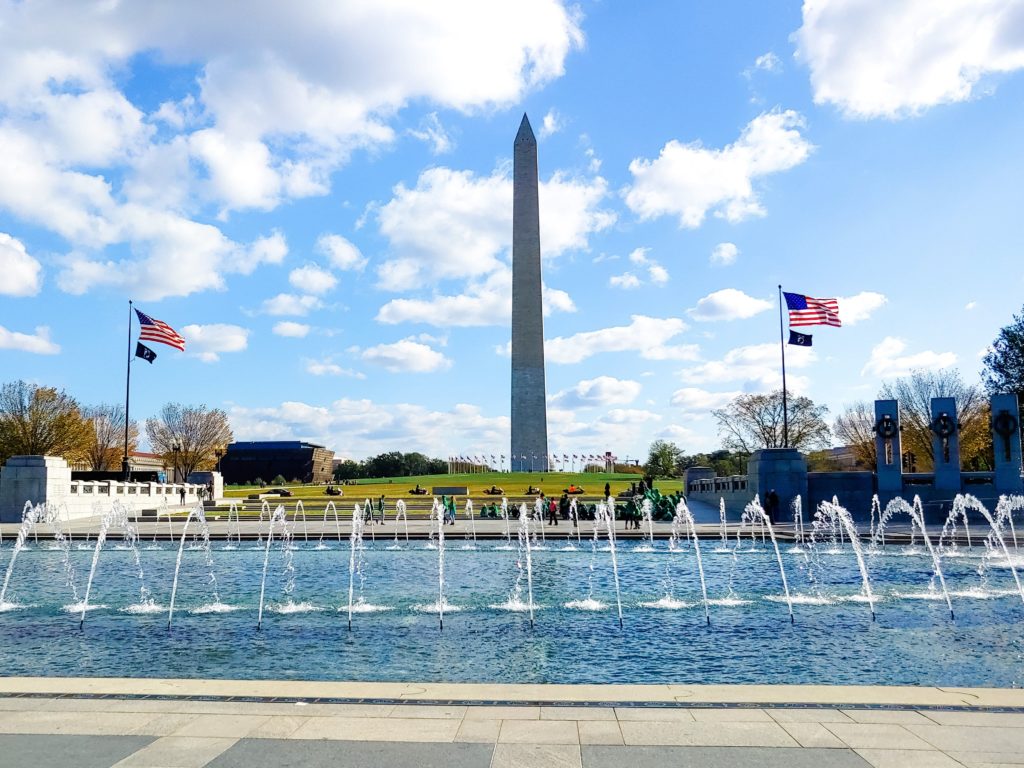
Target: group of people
point(555, 510)
point(203, 493)
point(448, 507)
point(371, 509)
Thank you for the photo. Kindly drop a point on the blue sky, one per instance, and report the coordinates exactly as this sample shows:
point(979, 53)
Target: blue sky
point(320, 201)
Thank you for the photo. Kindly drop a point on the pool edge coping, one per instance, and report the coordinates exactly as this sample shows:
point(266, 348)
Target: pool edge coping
point(551, 695)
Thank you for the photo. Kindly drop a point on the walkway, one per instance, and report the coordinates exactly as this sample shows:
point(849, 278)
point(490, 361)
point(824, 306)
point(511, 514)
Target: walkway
point(228, 724)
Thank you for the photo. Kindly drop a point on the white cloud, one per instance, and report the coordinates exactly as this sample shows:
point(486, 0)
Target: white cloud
point(601, 391)
point(970, 305)
point(594, 434)
point(724, 254)
point(208, 342)
point(292, 330)
point(768, 62)
point(327, 368)
point(312, 279)
point(406, 356)
point(280, 99)
point(728, 304)
point(853, 309)
point(455, 225)
point(626, 280)
point(433, 133)
point(874, 58)
point(689, 180)
point(630, 416)
point(290, 304)
point(656, 274)
point(38, 343)
point(341, 253)
point(687, 438)
point(551, 124)
point(695, 400)
point(757, 366)
point(639, 256)
point(364, 428)
point(177, 257)
point(484, 302)
point(888, 360)
point(648, 336)
point(240, 172)
point(20, 274)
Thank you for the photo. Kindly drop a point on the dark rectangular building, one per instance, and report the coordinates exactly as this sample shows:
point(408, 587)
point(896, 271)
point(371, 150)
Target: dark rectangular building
point(245, 463)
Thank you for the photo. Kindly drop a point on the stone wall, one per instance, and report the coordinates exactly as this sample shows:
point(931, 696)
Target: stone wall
point(47, 479)
point(700, 483)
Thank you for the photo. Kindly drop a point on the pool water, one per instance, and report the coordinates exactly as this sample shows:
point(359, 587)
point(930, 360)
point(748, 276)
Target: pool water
point(304, 634)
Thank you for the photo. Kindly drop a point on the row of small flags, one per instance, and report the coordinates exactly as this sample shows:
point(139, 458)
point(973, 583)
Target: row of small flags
point(553, 458)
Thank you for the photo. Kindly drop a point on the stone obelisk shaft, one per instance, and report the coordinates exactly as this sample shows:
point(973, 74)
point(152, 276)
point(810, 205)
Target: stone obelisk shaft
point(529, 405)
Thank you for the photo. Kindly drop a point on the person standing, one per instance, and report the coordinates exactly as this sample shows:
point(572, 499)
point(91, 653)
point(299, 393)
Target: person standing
point(552, 512)
point(380, 508)
point(772, 506)
point(607, 490)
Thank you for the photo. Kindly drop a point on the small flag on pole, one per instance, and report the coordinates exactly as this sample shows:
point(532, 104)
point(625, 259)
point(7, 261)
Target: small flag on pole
point(147, 354)
point(803, 310)
point(159, 331)
point(798, 339)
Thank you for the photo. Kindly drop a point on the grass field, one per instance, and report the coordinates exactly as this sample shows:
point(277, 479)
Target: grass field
point(513, 483)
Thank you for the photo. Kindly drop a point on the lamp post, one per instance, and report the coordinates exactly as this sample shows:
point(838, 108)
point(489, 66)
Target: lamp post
point(176, 453)
point(218, 452)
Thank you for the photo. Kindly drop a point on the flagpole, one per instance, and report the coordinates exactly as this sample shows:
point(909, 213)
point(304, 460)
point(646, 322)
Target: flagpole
point(785, 405)
point(126, 465)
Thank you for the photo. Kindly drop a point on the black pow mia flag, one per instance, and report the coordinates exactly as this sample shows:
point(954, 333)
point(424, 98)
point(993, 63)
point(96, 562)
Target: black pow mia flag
point(147, 354)
point(799, 339)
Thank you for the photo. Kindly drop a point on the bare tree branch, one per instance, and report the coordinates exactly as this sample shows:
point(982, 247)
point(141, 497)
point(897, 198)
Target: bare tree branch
point(855, 427)
point(107, 424)
point(756, 421)
point(915, 392)
point(195, 431)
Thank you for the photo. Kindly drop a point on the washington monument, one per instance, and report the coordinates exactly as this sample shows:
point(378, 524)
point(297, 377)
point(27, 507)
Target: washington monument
point(529, 405)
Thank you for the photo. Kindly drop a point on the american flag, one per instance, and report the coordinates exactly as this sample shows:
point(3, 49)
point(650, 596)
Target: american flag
point(159, 331)
point(803, 310)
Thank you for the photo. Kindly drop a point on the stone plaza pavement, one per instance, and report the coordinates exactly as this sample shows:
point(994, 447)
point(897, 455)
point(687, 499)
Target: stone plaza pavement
point(96, 723)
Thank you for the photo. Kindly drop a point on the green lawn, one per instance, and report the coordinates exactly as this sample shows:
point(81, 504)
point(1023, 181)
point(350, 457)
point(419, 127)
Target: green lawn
point(514, 484)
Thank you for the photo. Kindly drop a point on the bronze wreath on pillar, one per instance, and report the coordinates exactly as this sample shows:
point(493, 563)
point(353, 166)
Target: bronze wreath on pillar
point(943, 425)
point(886, 427)
point(1004, 424)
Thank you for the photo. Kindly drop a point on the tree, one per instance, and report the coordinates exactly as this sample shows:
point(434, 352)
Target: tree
point(347, 470)
point(41, 421)
point(755, 421)
point(106, 424)
point(1004, 362)
point(661, 459)
point(855, 426)
point(915, 392)
point(725, 463)
point(187, 436)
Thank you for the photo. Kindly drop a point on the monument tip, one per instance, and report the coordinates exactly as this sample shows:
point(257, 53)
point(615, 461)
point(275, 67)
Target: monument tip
point(525, 131)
